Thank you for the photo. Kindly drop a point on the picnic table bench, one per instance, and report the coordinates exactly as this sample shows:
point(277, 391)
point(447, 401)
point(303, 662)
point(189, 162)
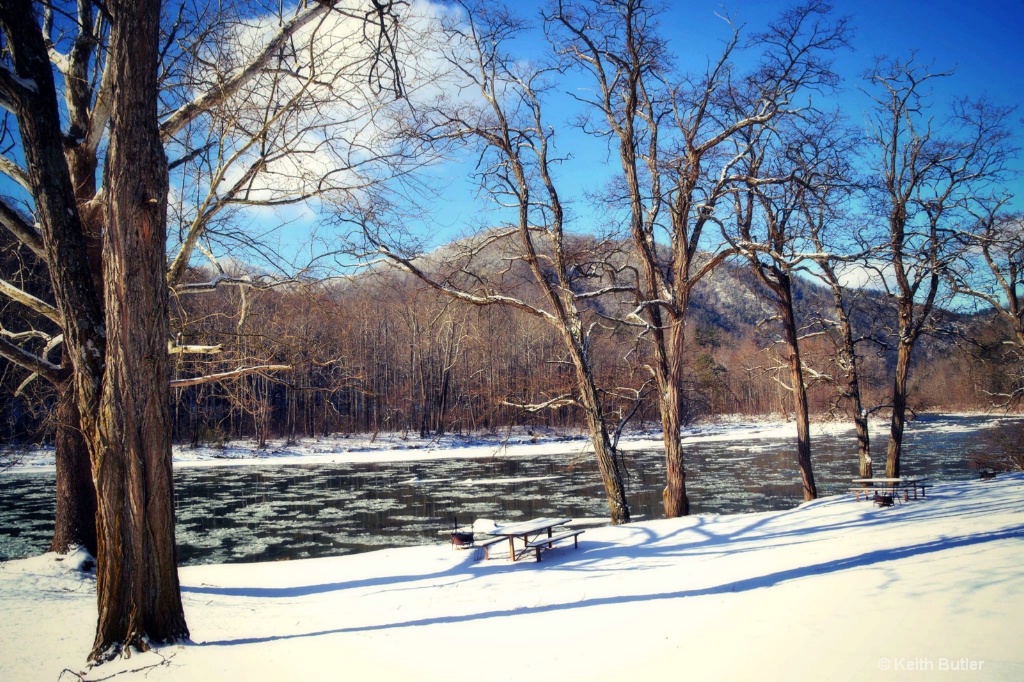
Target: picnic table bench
point(486, 545)
point(546, 543)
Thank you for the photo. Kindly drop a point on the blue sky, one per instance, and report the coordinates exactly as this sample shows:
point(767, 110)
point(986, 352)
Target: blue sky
point(980, 40)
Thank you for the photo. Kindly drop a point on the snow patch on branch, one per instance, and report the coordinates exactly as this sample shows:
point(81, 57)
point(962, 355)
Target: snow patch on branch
point(27, 84)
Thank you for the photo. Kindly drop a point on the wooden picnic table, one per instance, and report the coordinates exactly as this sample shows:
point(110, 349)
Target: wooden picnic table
point(891, 486)
point(525, 529)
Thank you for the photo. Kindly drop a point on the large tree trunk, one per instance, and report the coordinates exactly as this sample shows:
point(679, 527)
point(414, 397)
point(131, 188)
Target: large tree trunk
point(608, 465)
point(71, 276)
point(674, 497)
point(860, 421)
point(122, 396)
point(800, 405)
point(607, 462)
point(899, 409)
point(137, 579)
point(847, 354)
point(75, 519)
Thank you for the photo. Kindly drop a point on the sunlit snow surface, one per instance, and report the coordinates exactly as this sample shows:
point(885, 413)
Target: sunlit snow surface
point(833, 589)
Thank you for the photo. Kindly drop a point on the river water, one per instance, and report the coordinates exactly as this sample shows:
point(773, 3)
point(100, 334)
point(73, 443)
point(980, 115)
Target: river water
point(282, 511)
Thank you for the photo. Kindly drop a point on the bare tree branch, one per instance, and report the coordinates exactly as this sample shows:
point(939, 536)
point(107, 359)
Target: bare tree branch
point(22, 230)
point(29, 301)
point(15, 173)
point(49, 371)
point(233, 374)
point(554, 403)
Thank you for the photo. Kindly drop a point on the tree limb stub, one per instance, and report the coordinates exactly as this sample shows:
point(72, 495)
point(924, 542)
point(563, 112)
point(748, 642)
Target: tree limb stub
point(174, 349)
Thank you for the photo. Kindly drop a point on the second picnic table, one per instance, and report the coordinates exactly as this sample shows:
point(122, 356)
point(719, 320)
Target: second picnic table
point(524, 529)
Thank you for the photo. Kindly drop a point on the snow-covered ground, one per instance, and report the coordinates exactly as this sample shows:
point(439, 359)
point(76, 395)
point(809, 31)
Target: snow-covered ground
point(834, 589)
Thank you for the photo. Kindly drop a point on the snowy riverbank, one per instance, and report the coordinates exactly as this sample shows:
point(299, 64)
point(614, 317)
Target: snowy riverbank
point(518, 442)
point(833, 589)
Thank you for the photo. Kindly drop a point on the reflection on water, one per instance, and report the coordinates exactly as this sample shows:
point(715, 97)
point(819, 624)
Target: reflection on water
point(271, 512)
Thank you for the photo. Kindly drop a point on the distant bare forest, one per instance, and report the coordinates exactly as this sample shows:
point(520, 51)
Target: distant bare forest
point(385, 353)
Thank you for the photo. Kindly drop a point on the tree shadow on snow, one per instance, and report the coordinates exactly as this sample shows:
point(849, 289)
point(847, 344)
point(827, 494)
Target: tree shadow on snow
point(747, 584)
point(709, 537)
point(773, 529)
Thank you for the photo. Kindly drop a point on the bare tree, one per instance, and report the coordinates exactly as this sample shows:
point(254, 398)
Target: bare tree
point(137, 585)
point(29, 93)
point(137, 576)
point(829, 184)
point(504, 125)
point(991, 270)
point(105, 254)
point(929, 176)
point(676, 139)
point(769, 233)
point(841, 329)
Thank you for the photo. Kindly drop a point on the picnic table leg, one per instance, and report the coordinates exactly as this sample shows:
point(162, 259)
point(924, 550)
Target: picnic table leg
point(511, 549)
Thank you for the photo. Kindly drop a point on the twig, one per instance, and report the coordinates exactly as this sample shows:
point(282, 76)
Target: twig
point(164, 660)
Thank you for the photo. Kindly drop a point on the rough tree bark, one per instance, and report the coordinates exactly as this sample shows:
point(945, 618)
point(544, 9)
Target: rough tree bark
point(137, 588)
point(670, 373)
point(899, 409)
point(137, 579)
point(75, 518)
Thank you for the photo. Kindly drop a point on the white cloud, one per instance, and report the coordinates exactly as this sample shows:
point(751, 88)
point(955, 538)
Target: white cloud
point(861, 276)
